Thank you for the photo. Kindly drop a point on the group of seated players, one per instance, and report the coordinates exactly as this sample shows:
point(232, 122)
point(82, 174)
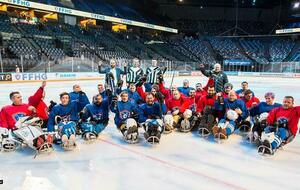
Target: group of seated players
point(216, 109)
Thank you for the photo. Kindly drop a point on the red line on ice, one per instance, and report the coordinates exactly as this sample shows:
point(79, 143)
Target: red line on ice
point(175, 166)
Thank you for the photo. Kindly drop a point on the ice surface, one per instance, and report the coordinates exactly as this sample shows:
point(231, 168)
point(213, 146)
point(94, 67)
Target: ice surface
point(180, 161)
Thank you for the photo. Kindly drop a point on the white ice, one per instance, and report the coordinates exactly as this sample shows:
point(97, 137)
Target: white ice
point(180, 161)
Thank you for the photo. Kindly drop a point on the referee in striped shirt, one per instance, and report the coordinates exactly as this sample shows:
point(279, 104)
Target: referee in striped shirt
point(134, 73)
point(153, 73)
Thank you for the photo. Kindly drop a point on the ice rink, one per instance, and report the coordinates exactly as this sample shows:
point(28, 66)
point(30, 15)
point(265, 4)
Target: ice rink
point(180, 161)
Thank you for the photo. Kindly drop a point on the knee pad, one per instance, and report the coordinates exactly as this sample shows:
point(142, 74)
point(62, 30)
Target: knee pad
point(168, 120)
point(176, 119)
point(130, 123)
point(232, 115)
point(267, 136)
point(263, 116)
point(67, 129)
point(187, 114)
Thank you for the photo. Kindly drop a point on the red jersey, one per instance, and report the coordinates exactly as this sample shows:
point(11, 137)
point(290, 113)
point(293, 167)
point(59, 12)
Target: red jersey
point(199, 94)
point(164, 91)
point(205, 101)
point(10, 114)
point(251, 102)
point(37, 102)
point(192, 103)
point(292, 115)
point(167, 92)
point(182, 104)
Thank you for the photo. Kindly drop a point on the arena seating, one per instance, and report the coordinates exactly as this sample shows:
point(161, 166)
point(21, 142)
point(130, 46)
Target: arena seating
point(255, 49)
point(57, 41)
point(280, 49)
point(228, 49)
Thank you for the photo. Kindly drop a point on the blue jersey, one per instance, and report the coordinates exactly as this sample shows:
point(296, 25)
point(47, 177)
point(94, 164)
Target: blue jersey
point(147, 111)
point(66, 112)
point(134, 97)
point(262, 108)
point(97, 113)
point(81, 98)
point(233, 105)
point(123, 111)
point(103, 94)
point(184, 90)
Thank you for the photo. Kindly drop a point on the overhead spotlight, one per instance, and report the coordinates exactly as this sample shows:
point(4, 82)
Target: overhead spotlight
point(180, 1)
point(296, 5)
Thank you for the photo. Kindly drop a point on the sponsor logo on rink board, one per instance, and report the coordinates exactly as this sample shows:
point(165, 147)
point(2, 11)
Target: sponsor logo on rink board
point(53, 76)
point(5, 77)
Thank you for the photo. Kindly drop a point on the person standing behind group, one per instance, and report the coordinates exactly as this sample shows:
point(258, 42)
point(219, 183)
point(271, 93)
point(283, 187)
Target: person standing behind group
point(134, 72)
point(116, 72)
point(153, 73)
point(218, 76)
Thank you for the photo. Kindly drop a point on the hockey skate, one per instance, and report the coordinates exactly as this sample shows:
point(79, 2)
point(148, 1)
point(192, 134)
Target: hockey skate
point(89, 137)
point(206, 126)
point(131, 135)
point(265, 148)
point(68, 144)
point(185, 126)
point(43, 144)
point(219, 134)
point(6, 143)
point(244, 127)
point(168, 129)
point(152, 138)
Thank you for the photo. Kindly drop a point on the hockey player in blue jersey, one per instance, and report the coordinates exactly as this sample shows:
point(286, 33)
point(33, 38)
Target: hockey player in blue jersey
point(235, 112)
point(185, 89)
point(101, 91)
point(259, 116)
point(150, 117)
point(126, 116)
point(65, 116)
point(94, 118)
point(77, 92)
point(133, 95)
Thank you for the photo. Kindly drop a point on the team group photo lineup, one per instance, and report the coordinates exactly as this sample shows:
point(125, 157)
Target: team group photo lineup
point(149, 94)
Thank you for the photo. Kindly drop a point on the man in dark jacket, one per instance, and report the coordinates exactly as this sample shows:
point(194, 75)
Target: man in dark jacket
point(219, 77)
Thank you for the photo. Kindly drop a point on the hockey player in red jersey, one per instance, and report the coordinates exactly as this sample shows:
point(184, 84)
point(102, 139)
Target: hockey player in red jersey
point(282, 126)
point(199, 92)
point(10, 114)
point(249, 99)
point(177, 107)
point(206, 112)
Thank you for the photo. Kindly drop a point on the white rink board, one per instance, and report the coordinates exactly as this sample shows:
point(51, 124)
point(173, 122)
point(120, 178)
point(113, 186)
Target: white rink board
point(181, 161)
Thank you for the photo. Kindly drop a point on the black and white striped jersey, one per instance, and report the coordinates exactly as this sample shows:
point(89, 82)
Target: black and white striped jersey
point(152, 74)
point(133, 74)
